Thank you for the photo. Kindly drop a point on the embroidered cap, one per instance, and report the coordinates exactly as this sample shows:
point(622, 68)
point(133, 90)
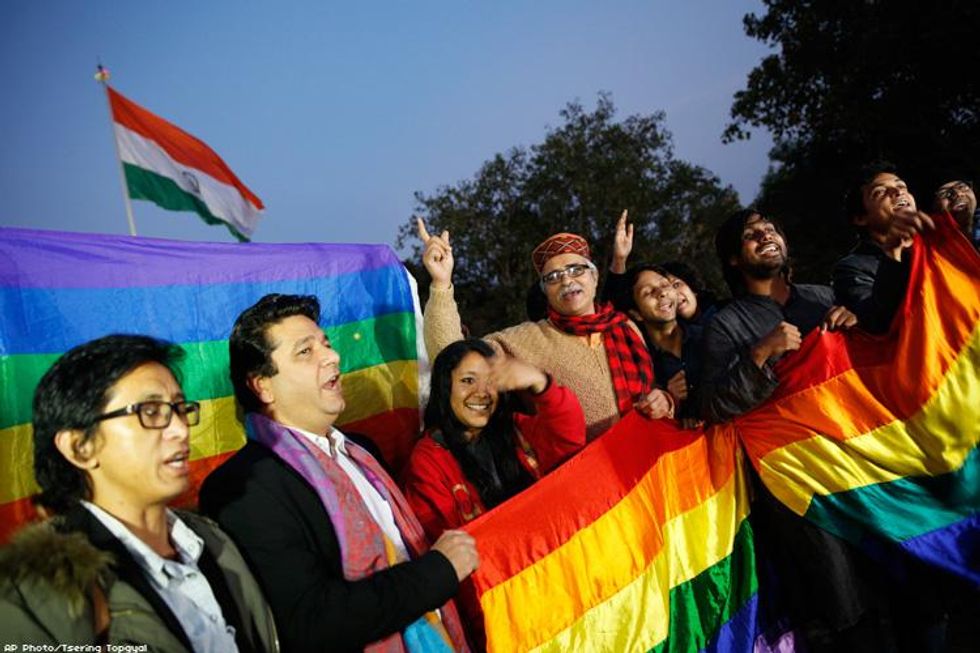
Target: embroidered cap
point(562, 243)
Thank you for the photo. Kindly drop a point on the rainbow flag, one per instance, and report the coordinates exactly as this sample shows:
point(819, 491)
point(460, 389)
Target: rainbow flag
point(875, 438)
point(58, 290)
point(641, 542)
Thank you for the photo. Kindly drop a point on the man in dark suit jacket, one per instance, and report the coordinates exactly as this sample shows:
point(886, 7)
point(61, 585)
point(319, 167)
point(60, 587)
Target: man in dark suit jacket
point(287, 378)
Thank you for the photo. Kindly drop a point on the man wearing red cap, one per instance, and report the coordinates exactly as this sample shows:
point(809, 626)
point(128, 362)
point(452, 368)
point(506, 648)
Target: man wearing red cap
point(588, 347)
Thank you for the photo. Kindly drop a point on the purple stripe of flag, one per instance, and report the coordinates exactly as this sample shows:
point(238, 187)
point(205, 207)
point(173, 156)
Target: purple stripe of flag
point(56, 259)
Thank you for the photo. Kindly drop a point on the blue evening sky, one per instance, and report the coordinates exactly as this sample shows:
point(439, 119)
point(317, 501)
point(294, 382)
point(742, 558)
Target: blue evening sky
point(334, 113)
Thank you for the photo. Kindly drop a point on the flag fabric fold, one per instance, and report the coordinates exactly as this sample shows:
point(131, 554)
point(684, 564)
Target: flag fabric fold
point(177, 171)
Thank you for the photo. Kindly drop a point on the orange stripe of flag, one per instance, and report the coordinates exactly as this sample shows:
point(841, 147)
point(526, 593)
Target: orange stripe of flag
point(895, 376)
point(601, 470)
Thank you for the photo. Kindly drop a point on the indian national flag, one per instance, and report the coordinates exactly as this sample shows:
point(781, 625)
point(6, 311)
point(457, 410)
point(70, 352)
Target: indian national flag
point(169, 167)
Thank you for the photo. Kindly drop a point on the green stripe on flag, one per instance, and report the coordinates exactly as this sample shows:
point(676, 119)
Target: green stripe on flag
point(204, 370)
point(904, 508)
point(701, 605)
point(164, 192)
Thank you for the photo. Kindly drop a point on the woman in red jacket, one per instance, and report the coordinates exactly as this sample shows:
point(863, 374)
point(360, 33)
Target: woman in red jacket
point(494, 425)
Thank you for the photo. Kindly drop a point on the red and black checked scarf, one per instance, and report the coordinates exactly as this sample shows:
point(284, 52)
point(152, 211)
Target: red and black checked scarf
point(629, 361)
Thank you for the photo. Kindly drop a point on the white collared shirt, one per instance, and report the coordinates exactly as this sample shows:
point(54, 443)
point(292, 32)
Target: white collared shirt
point(180, 584)
point(334, 444)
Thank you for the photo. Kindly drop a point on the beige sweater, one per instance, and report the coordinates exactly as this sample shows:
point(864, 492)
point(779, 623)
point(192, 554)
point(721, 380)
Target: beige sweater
point(577, 363)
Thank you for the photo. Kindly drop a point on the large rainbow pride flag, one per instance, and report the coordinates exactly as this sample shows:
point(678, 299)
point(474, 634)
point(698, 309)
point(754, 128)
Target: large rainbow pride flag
point(641, 542)
point(58, 290)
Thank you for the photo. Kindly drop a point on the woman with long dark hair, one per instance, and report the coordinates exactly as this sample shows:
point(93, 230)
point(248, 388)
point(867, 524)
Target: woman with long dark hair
point(493, 425)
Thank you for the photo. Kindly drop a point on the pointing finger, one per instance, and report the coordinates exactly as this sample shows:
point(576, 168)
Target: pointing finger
point(423, 232)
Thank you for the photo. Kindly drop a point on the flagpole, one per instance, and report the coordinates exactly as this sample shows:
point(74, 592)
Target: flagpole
point(103, 77)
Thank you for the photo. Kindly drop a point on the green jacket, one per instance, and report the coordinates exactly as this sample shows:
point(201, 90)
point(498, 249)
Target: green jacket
point(48, 571)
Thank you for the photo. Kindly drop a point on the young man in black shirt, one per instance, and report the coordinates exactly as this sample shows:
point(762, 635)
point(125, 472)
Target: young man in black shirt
point(871, 280)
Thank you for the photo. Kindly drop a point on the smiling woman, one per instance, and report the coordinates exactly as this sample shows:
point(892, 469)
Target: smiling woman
point(494, 425)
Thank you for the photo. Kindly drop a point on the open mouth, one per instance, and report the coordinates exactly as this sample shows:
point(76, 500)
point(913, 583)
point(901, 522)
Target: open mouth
point(180, 461)
point(483, 406)
point(903, 203)
point(959, 206)
point(769, 250)
point(333, 383)
point(570, 293)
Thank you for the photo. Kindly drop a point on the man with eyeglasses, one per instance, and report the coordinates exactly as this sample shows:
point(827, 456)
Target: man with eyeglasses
point(115, 565)
point(958, 198)
point(586, 346)
point(871, 280)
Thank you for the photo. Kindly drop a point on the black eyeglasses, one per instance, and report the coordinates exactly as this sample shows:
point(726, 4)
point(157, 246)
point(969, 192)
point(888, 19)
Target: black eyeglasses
point(574, 270)
point(950, 192)
point(157, 414)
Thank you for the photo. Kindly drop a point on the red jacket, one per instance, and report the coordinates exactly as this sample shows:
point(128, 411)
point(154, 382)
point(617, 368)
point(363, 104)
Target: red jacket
point(443, 498)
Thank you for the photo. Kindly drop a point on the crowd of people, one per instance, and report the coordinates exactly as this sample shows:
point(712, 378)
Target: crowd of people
point(305, 542)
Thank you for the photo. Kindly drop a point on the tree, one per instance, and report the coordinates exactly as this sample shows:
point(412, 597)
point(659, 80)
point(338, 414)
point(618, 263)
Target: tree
point(853, 81)
point(579, 179)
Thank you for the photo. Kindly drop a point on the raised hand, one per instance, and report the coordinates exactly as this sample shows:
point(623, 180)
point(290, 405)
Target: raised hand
point(513, 374)
point(622, 243)
point(906, 224)
point(437, 257)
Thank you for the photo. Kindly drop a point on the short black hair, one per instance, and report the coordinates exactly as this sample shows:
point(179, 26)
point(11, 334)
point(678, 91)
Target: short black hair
point(728, 244)
point(250, 352)
point(72, 393)
point(624, 300)
point(861, 177)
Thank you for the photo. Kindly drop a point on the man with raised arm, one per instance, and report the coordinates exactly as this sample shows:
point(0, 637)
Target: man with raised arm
point(586, 346)
point(872, 279)
point(337, 550)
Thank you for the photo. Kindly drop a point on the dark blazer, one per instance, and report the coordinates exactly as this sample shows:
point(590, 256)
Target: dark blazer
point(286, 536)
